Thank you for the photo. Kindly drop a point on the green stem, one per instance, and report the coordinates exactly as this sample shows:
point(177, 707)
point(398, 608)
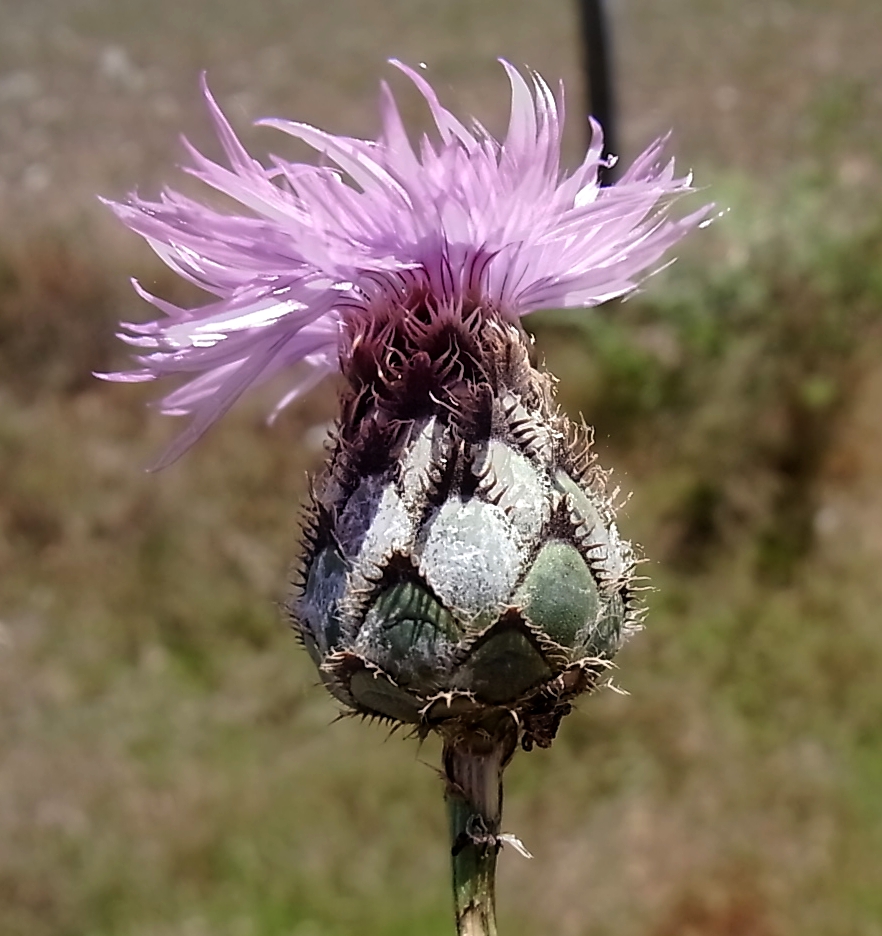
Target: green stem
point(473, 766)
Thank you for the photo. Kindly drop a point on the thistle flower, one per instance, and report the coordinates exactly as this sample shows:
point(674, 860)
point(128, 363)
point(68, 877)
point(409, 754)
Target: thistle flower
point(462, 568)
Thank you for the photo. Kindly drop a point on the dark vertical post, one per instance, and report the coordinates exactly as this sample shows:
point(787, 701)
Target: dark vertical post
point(597, 60)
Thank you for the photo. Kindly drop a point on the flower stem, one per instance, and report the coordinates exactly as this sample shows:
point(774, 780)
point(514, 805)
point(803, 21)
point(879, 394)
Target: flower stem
point(473, 767)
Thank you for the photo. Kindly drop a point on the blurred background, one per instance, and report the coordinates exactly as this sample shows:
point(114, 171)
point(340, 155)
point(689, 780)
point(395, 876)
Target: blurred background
point(168, 766)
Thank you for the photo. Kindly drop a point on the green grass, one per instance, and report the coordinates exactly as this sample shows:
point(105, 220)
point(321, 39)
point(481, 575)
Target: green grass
point(168, 766)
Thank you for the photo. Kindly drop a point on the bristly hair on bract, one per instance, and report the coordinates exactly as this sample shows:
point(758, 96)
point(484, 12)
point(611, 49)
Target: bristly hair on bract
point(324, 256)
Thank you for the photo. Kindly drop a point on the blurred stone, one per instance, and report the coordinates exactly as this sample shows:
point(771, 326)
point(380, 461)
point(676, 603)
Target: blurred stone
point(115, 66)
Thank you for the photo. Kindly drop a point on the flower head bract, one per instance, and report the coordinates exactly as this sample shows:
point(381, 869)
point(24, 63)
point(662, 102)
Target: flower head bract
point(379, 227)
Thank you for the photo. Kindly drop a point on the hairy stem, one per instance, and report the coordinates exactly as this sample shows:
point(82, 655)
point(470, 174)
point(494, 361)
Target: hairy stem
point(473, 767)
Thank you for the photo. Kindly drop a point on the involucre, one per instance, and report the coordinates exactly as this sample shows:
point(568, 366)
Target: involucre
point(462, 559)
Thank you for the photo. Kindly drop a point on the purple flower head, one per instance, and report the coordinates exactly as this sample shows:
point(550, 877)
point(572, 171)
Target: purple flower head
point(381, 228)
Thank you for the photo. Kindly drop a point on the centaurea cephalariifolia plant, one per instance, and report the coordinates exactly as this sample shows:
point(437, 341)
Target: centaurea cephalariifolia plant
point(462, 571)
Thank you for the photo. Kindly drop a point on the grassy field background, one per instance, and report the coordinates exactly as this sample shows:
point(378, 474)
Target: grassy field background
point(168, 766)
